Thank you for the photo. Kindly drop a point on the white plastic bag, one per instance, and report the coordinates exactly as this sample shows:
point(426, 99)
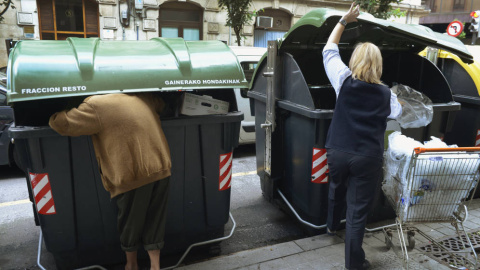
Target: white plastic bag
point(440, 180)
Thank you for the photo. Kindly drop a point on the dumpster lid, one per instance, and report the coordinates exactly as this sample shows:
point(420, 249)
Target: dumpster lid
point(41, 69)
point(313, 30)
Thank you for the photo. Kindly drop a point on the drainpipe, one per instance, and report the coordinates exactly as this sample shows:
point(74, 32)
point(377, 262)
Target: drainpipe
point(137, 25)
point(408, 13)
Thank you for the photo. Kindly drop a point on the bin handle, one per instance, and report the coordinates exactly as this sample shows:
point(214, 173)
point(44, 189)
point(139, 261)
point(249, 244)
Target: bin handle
point(419, 150)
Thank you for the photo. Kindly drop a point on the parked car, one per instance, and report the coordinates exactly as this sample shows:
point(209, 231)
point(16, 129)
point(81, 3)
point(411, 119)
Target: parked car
point(248, 58)
point(6, 120)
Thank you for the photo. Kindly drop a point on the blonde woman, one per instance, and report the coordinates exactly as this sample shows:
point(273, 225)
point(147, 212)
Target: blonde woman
point(356, 136)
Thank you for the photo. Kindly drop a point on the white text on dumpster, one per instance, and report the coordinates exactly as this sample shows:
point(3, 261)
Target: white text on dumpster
point(54, 89)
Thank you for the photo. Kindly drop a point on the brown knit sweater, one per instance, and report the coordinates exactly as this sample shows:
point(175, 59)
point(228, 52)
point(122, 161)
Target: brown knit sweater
point(129, 142)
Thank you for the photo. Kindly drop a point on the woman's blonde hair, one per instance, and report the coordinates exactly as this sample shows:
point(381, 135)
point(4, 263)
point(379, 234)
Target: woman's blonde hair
point(366, 63)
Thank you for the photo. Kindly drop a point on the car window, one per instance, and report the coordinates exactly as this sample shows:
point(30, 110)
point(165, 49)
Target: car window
point(3, 99)
point(248, 69)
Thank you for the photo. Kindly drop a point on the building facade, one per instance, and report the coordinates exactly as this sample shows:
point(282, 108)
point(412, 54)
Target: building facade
point(146, 19)
point(443, 12)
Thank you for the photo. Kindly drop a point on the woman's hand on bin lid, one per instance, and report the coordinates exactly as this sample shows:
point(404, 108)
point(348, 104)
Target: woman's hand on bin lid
point(352, 13)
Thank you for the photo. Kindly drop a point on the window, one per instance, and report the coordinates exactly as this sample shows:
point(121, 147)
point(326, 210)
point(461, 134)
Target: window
point(60, 19)
point(248, 69)
point(181, 20)
point(431, 5)
point(3, 99)
point(458, 5)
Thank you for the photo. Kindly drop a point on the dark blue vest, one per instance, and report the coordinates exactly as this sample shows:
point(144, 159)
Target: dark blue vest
point(360, 118)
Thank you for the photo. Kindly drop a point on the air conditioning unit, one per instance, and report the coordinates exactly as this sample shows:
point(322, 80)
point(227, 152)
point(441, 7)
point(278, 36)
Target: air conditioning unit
point(264, 22)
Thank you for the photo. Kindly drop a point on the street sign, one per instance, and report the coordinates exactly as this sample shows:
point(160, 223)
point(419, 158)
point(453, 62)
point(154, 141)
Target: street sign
point(455, 28)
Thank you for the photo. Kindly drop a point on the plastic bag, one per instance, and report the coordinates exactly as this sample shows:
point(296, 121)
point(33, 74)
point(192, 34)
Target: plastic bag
point(417, 109)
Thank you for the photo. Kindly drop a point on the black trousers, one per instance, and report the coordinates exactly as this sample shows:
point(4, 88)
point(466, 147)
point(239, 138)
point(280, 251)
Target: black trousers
point(353, 180)
point(142, 216)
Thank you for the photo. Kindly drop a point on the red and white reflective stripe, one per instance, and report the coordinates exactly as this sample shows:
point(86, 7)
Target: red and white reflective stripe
point(477, 140)
point(225, 179)
point(43, 193)
point(319, 166)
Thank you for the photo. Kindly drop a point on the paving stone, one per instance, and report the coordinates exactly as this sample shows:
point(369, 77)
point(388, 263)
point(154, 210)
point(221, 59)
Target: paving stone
point(277, 264)
point(334, 250)
point(427, 227)
point(434, 234)
point(475, 213)
point(372, 241)
point(434, 225)
point(470, 225)
point(474, 219)
point(294, 260)
point(428, 263)
point(246, 258)
point(312, 255)
point(318, 241)
point(447, 231)
point(338, 267)
point(251, 267)
point(307, 266)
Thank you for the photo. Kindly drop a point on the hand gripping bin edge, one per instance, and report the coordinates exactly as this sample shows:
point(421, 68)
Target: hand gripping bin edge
point(305, 100)
point(85, 217)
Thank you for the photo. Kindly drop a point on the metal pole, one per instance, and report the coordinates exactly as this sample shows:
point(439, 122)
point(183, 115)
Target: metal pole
point(204, 243)
point(40, 239)
point(269, 124)
point(298, 216)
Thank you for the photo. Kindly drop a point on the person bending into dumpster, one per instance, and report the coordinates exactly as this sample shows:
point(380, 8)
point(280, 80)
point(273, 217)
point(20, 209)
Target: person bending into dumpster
point(355, 139)
point(134, 162)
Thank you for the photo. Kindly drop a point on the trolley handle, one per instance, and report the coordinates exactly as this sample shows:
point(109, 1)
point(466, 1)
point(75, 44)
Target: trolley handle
point(419, 150)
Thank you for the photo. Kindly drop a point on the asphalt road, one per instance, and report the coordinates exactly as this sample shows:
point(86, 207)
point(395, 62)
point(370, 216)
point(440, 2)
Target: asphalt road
point(259, 223)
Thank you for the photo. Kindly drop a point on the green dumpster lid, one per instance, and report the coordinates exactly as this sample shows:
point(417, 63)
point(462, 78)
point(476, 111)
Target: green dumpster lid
point(313, 30)
point(41, 69)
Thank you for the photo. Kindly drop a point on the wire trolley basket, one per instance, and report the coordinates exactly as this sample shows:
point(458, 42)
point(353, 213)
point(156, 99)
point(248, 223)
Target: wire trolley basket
point(433, 186)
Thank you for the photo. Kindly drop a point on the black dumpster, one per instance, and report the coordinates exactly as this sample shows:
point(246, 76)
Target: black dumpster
point(294, 103)
point(405, 67)
point(75, 213)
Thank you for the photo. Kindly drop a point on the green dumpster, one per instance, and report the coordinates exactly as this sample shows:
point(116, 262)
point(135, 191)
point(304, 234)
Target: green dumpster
point(77, 217)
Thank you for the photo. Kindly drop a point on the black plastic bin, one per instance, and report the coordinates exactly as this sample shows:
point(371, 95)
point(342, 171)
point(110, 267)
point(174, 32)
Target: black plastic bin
point(72, 208)
point(295, 85)
point(83, 230)
point(298, 151)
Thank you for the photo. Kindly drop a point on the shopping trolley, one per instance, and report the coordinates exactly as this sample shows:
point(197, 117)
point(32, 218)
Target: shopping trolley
point(437, 183)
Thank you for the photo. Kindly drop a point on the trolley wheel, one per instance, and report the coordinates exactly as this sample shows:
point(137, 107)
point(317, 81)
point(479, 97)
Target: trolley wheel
point(411, 241)
point(388, 240)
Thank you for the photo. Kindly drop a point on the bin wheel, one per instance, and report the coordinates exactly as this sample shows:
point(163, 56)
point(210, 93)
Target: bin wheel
point(411, 242)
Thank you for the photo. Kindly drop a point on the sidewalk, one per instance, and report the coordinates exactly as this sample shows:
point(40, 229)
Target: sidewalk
point(327, 252)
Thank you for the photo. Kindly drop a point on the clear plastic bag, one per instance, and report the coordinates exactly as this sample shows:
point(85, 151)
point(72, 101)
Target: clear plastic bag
point(417, 109)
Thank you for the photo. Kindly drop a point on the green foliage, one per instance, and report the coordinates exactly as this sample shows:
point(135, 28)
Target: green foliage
point(238, 14)
point(4, 5)
point(381, 8)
